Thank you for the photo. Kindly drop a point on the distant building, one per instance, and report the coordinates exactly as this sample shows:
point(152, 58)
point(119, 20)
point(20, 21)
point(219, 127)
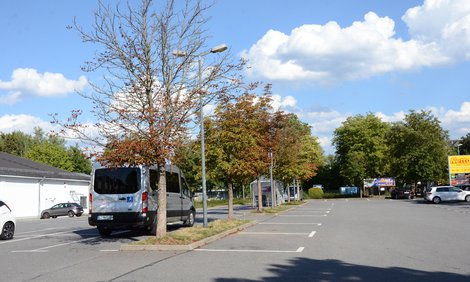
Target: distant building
point(29, 187)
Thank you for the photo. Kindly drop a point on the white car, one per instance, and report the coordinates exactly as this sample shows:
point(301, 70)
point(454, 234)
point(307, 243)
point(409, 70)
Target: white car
point(438, 194)
point(7, 222)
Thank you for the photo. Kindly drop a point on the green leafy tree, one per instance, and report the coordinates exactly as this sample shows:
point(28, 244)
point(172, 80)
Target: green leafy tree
point(16, 143)
point(328, 175)
point(50, 150)
point(79, 162)
point(361, 148)
point(418, 149)
point(297, 153)
point(237, 141)
point(51, 154)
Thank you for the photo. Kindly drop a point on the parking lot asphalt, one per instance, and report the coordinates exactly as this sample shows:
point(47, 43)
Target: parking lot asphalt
point(323, 240)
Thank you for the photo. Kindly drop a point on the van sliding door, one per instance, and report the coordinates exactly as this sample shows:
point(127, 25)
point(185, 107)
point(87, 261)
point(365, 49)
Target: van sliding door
point(173, 196)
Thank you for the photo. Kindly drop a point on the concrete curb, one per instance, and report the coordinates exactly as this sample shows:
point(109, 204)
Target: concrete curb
point(192, 246)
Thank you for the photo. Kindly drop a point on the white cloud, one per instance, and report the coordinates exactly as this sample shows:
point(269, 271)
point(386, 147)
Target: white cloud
point(456, 122)
point(27, 123)
point(23, 123)
point(445, 22)
point(29, 81)
point(11, 98)
point(392, 118)
point(324, 122)
point(286, 103)
point(326, 54)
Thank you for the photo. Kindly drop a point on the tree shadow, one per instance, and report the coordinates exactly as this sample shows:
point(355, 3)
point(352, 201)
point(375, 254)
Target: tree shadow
point(459, 204)
point(303, 269)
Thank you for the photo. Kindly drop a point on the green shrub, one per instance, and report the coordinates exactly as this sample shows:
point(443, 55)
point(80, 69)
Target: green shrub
point(315, 193)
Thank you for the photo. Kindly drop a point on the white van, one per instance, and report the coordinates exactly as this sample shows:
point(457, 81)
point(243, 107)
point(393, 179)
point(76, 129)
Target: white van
point(126, 198)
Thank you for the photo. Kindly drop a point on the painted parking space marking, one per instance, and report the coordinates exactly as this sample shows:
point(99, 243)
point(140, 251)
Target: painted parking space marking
point(33, 237)
point(313, 210)
point(277, 233)
point(304, 215)
point(299, 250)
point(289, 223)
point(45, 249)
point(35, 231)
point(312, 234)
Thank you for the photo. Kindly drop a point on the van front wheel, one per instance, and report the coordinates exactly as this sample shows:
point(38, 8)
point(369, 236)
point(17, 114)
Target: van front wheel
point(191, 218)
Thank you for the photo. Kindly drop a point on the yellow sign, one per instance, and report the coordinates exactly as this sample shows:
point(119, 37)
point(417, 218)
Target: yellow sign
point(459, 164)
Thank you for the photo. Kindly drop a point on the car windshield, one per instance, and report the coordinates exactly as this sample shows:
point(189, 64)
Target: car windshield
point(117, 180)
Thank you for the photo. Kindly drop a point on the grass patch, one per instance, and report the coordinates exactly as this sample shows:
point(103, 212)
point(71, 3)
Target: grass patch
point(216, 203)
point(294, 203)
point(331, 195)
point(275, 209)
point(185, 236)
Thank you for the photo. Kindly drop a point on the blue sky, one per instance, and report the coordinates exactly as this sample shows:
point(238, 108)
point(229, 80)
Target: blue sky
point(326, 59)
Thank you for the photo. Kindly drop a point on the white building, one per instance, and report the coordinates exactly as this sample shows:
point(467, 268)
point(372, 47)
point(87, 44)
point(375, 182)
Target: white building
point(29, 187)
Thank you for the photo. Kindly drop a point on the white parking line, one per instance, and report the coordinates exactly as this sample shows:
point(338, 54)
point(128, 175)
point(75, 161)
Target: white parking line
point(301, 215)
point(299, 250)
point(44, 249)
point(314, 210)
point(289, 223)
point(312, 234)
point(274, 233)
point(33, 237)
point(35, 231)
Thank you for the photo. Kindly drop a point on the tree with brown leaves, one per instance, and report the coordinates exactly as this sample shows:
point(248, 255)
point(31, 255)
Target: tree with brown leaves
point(147, 95)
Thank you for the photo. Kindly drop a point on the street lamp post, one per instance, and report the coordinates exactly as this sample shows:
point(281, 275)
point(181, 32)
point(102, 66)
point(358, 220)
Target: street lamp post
point(273, 189)
point(178, 53)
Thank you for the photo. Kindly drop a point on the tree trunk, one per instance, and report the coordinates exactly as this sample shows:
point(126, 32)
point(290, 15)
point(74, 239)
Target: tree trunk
point(260, 195)
point(161, 209)
point(298, 190)
point(288, 193)
point(230, 200)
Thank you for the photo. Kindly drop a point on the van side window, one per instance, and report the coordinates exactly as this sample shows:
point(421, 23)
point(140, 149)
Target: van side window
point(153, 179)
point(172, 183)
point(185, 187)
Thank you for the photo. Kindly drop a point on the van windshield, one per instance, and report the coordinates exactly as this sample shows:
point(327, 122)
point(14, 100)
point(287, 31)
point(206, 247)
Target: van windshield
point(124, 180)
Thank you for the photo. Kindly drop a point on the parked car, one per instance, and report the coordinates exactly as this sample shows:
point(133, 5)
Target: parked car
point(438, 194)
point(465, 187)
point(402, 193)
point(70, 209)
point(7, 222)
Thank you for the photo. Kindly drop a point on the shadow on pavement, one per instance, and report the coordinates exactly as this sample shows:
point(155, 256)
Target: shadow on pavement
point(302, 269)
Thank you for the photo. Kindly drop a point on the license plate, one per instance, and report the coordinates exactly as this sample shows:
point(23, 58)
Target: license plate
point(105, 217)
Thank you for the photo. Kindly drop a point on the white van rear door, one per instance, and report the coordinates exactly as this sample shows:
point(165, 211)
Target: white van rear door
point(103, 203)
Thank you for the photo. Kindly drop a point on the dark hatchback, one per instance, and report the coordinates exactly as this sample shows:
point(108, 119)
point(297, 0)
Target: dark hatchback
point(465, 187)
point(402, 193)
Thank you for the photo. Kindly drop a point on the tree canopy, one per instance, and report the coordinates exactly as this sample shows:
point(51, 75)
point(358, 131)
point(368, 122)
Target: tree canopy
point(418, 149)
point(150, 55)
point(50, 150)
point(361, 148)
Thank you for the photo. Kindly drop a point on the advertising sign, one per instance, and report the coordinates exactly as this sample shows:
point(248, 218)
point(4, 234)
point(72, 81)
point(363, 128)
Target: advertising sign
point(459, 169)
point(384, 181)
